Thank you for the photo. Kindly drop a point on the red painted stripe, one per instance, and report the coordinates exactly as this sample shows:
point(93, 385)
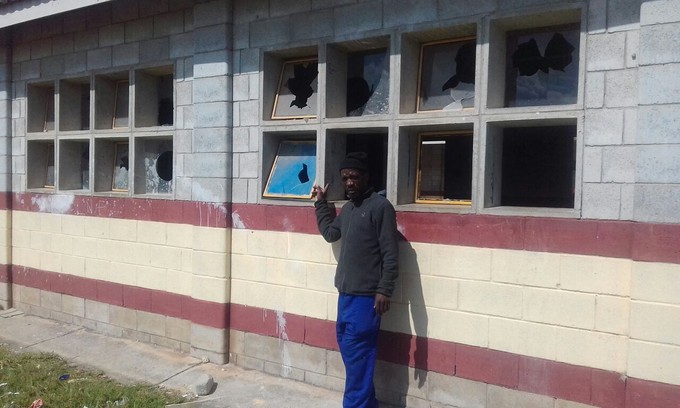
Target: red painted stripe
point(574, 383)
point(216, 215)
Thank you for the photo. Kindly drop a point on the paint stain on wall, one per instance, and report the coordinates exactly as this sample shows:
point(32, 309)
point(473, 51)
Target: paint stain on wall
point(57, 204)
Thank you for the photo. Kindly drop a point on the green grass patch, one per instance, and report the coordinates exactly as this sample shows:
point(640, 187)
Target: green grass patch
point(26, 377)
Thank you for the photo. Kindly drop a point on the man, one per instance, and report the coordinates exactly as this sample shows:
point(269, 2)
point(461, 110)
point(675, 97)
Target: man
point(365, 275)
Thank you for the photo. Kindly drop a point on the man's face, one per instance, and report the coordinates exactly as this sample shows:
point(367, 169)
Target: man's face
point(354, 181)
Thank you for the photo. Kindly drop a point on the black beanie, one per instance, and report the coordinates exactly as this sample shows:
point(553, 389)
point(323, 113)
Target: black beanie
point(355, 160)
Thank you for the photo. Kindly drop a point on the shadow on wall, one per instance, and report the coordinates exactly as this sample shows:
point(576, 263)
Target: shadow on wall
point(404, 355)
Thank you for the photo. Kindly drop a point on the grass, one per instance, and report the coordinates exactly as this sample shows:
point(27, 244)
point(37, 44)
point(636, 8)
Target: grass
point(26, 377)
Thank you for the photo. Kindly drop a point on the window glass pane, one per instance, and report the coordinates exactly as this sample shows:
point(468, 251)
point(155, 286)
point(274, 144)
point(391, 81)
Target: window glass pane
point(542, 66)
point(368, 83)
point(447, 76)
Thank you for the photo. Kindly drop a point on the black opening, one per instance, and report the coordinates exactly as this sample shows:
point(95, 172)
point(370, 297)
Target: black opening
point(539, 166)
point(375, 147)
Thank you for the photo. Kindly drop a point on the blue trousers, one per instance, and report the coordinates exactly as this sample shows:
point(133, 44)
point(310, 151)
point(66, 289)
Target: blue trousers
point(357, 329)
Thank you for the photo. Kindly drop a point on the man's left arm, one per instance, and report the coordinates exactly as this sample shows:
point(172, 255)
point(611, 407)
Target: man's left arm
point(388, 238)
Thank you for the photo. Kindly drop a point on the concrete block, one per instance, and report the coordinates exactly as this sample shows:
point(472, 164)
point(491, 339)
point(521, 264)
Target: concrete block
point(595, 89)
point(180, 235)
point(525, 268)
point(603, 127)
point(178, 329)
point(460, 262)
point(460, 327)
point(505, 397)
point(212, 114)
point(210, 338)
point(659, 12)
point(239, 191)
point(402, 12)
point(655, 282)
point(246, 267)
point(325, 381)
point(50, 300)
point(60, 317)
point(211, 89)
point(592, 164)
point(658, 164)
point(151, 323)
point(212, 140)
point(258, 295)
point(241, 140)
point(627, 202)
point(249, 113)
point(623, 15)
point(306, 303)
point(592, 349)
point(549, 306)
point(111, 35)
point(601, 201)
point(490, 299)
point(96, 311)
point(154, 50)
point(136, 335)
point(269, 32)
point(596, 275)
point(168, 24)
point(125, 54)
point(73, 265)
point(150, 277)
point(181, 45)
point(241, 34)
point(654, 362)
point(236, 341)
point(209, 164)
point(212, 38)
point(123, 317)
point(152, 8)
point(184, 92)
point(41, 48)
point(311, 25)
point(630, 126)
point(250, 61)
point(211, 13)
point(284, 371)
point(241, 92)
point(658, 124)
point(612, 314)
point(99, 58)
point(152, 233)
point(210, 264)
point(250, 363)
point(659, 44)
point(139, 30)
point(213, 190)
point(524, 338)
point(659, 84)
point(632, 48)
point(123, 230)
point(211, 239)
point(606, 51)
point(286, 273)
point(622, 89)
point(597, 16)
point(654, 322)
point(250, 10)
point(456, 391)
point(358, 18)
point(124, 10)
point(618, 164)
point(86, 40)
point(30, 70)
point(249, 165)
point(288, 7)
point(309, 359)
point(61, 44)
point(75, 63)
point(254, 86)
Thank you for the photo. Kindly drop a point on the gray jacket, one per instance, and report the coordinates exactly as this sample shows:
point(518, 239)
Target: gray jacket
point(368, 262)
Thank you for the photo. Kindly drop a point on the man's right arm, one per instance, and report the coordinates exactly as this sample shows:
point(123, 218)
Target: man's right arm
point(329, 226)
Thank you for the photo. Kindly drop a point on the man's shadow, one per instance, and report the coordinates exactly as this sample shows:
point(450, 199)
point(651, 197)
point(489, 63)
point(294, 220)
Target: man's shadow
point(402, 349)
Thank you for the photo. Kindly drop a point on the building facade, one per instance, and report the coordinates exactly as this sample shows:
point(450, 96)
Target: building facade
point(156, 160)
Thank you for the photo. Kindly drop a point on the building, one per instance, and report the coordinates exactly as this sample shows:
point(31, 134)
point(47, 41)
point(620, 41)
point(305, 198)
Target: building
point(530, 147)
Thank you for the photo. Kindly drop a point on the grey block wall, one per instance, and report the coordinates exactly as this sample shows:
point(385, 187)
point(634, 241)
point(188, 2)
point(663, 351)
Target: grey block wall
point(657, 168)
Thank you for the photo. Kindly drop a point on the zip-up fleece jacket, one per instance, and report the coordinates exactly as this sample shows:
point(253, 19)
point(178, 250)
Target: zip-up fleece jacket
point(368, 262)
